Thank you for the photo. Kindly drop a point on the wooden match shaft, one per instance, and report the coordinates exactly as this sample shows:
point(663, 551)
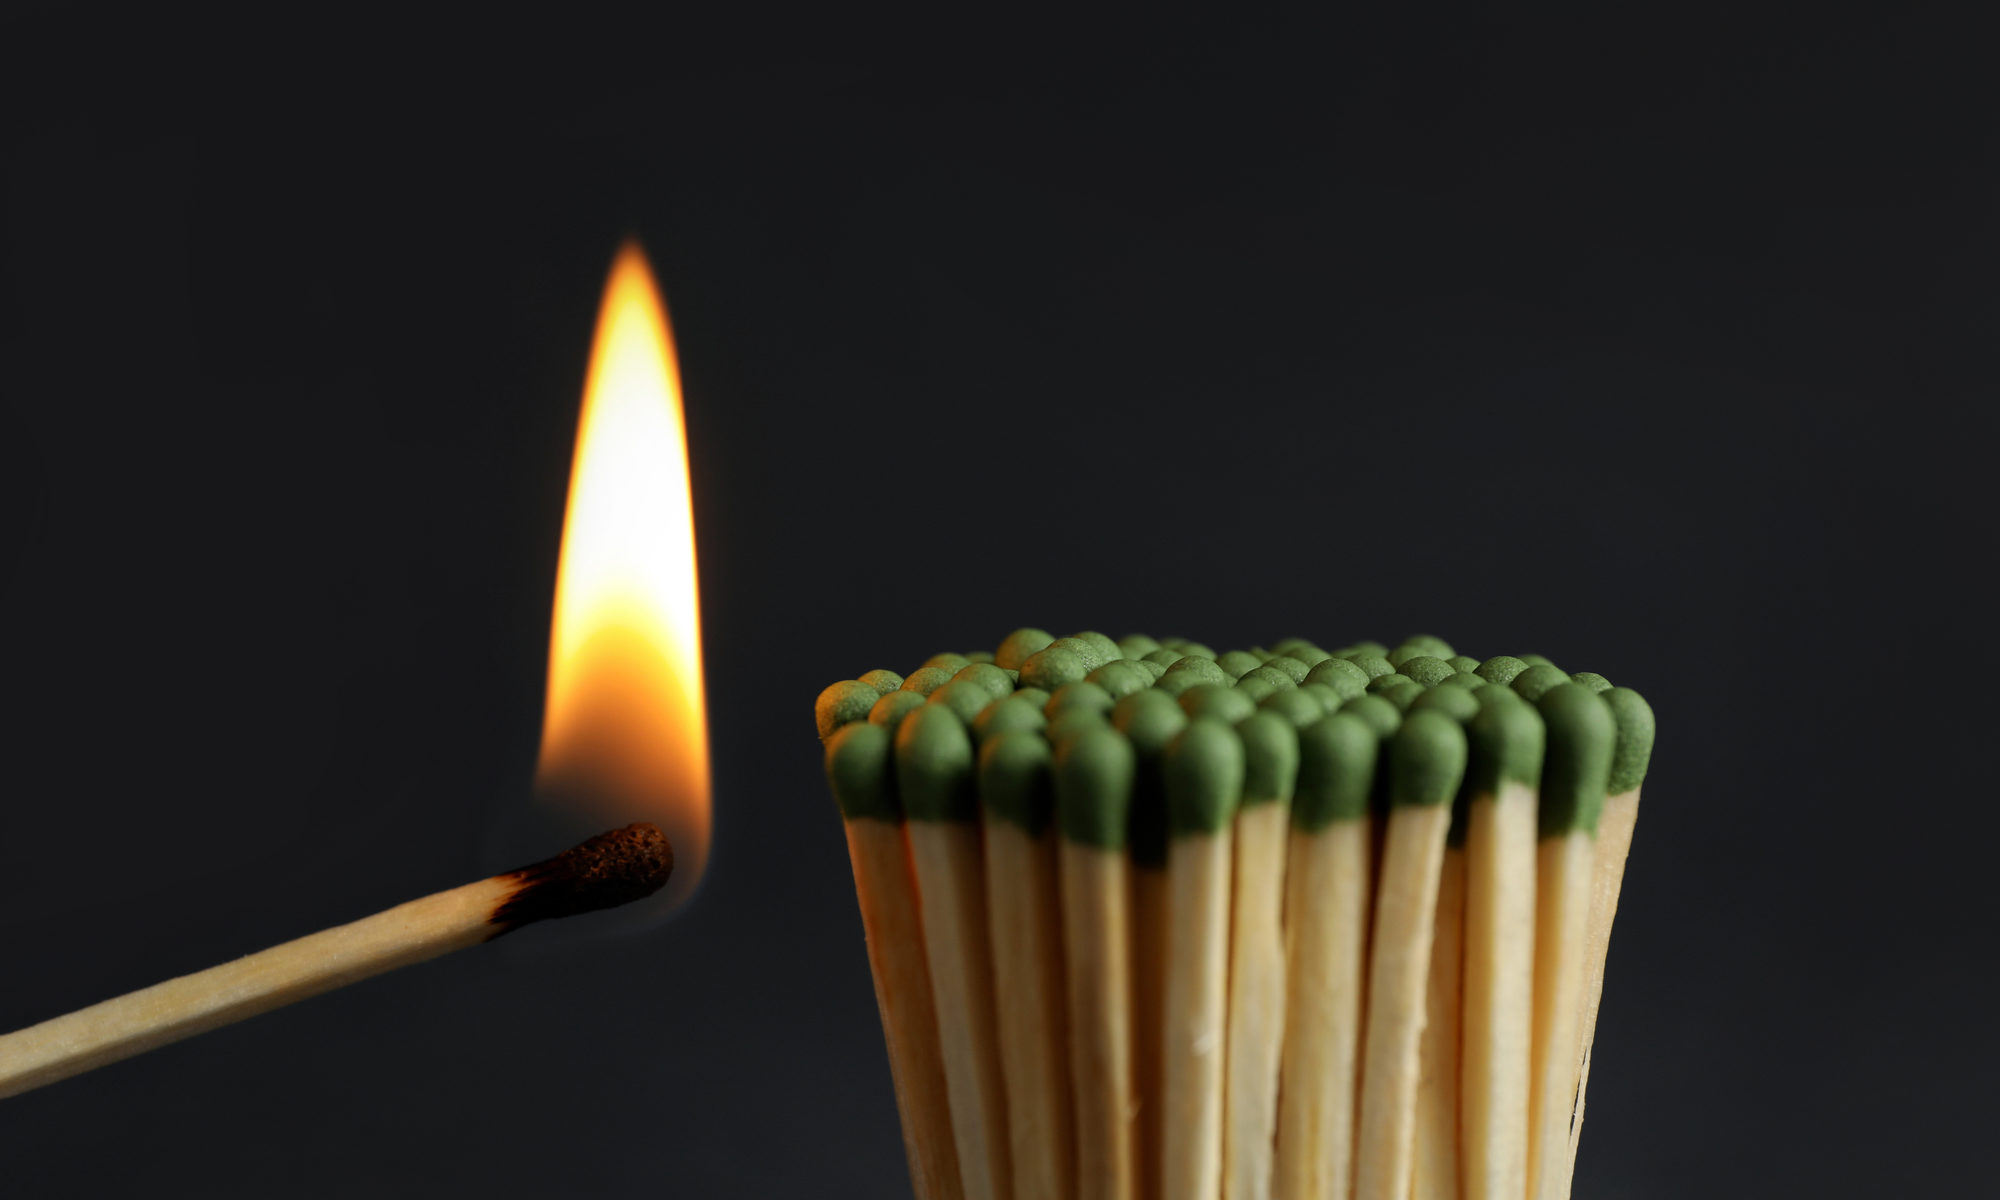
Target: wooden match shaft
point(1614, 844)
point(1437, 1160)
point(608, 870)
point(1257, 956)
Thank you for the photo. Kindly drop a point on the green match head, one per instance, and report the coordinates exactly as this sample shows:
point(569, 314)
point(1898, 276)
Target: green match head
point(1464, 679)
point(890, 710)
point(1592, 680)
point(1150, 719)
point(1329, 698)
point(1399, 690)
point(949, 661)
point(1291, 668)
point(1501, 669)
point(934, 766)
point(1455, 702)
point(1420, 645)
point(1336, 771)
point(1270, 757)
point(1015, 648)
point(857, 769)
point(963, 697)
point(842, 703)
point(1203, 771)
point(1257, 687)
point(1295, 705)
point(1081, 694)
point(925, 680)
point(882, 681)
point(1464, 664)
point(1015, 778)
point(1635, 739)
point(1375, 712)
point(1426, 669)
point(994, 681)
point(1535, 682)
point(1085, 649)
point(1426, 759)
point(1152, 669)
point(1583, 739)
point(1053, 666)
point(1508, 741)
point(1094, 770)
point(1070, 721)
point(1204, 669)
point(979, 656)
point(1535, 660)
point(1217, 700)
point(1015, 712)
point(1278, 677)
point(1107, 650)
point(1173, 683)
point(1340, 675)
point(1136, 645)
point(1196, 650)
point(1362, 650)
point(1120, 677)
point(1165, 656)
point(1302, 650)
point(1235, 662)
point(1373, 666)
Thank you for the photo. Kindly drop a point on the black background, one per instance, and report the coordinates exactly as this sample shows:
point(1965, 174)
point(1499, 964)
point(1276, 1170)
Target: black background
point(1665, 351)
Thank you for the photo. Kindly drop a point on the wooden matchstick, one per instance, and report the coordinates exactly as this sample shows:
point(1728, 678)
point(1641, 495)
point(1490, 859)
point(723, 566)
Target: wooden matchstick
point(1581, 737)
point(1614, 842)
point(859, 766)
point(934, 776)
point(1204, 784)
point(1326, 936)
point(1427, 763)
point(1506, 765)
point(1257, 955)
point(1094, 770)
point(608, 870)
point(1024, 917)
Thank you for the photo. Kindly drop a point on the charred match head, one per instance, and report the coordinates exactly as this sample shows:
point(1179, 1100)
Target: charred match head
point(608, 870)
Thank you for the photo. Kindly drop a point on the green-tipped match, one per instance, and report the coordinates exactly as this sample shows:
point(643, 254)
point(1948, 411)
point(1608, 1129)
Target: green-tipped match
point(1053, 666)
point(842, 703)
point(857, 769)
point(1583, 737)
point(964, 697)
point(1015, 648)
point(1592, 680)
point(1136, 645)
point(1464, 679)
point(1420, 645)
point(1015, 712)
point(1426, 669)
point(1217, 700)
point(1399, 690)
point(996, 682)
point(1150, 719)
point(1635, 739)
point(1089, 651)
point(1464, 664)
point(1297, 705)
point(1336, 771)
point(1015, 778)
point(1373, 665)
point(1270, 758)
point(1278, 677)
point(1120, 678)
point(1501, 669)
point(1107, 650)
point(1507, 741)
point(1329, 699)
point(1256, 688)
point(1093, 787)
point(1340, 675)
point(925, 680)
point(934, 766)
point(1081, 694)
point(890, 710)
point(1203, 771)
point(1536, 660)
point(1379, 715)
point(1204, 669)
point(950, 662)
point(881, 680)
point(1235, 662)
point(1426, 759)
point(1165, 656)
point(1455, 702)
point(1071, 721)
point(1537, 681)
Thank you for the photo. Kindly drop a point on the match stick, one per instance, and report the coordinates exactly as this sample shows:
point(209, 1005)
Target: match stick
point(859, 766)
point(1326, 935)
point(1581, 737)
point(608, 870)
point(1437, 1162)
point(1257, 954)
point(1204, 782)
point(1614, 842)
point(934, 775)
point(1149, 720)
point(1024, 917)
point(1506, 767)
point(1093, 784)
point(1427, 763)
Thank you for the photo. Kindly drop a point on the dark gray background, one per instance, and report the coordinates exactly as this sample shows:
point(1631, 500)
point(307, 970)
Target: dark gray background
point(1663, 351)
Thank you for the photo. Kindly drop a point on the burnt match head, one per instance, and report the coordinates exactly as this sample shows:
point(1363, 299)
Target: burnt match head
point(608, 870)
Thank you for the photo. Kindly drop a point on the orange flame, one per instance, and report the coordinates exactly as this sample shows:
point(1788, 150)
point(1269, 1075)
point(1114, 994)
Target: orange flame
point(626, 731)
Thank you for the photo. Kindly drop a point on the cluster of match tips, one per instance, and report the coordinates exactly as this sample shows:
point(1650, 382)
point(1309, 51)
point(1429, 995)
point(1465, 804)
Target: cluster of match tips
point(1149, 921)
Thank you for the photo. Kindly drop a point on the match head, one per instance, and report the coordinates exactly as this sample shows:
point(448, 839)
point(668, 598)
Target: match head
point(1635, 739)
point(858, 761)
point(1508, 741)
point(1270, 757)
point(1501, 669)
point(1017, 646)
point(842, 703)
point(1236, 662)
point(1217, 700)
point(1592, 680)
point(1014, 779)
point(890, 710)
point(1426, 759)
point(1336, 771)
point(1107, 650)
point(996, 682)
point(1094, 770)
point(608, 870)
point(1088, 650)
point(964, 697)
point(1537, 681)
point(1014, 713)
point(1426, 669)
point(1583, 738)
point(1120, 677)
point(1340, 675)
point(1081, 694)
point(934, 766)
point(883, 681)
point(948, 661)
point(1373, 665)
point(1295, 705)
point(1420, 644)
point(1276, 677)
point(1136, 645)
point(1150, 719)
point(925, 680)
point(1053, 666)
point(1203, 771)
point(1455, 702)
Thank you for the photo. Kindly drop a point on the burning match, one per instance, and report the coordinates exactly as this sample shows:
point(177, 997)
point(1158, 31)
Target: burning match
point(608, 870)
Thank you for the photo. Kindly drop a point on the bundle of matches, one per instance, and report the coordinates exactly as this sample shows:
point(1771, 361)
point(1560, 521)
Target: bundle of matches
point(1149, 921)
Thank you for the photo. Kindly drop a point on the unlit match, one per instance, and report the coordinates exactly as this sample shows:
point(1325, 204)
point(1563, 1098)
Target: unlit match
point(608, 870)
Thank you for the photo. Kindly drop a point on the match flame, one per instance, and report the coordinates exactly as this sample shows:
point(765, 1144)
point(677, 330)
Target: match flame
point(626, 731)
